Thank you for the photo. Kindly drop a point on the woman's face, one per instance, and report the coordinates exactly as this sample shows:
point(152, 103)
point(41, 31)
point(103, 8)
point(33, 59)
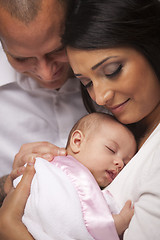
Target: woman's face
point(121, 79)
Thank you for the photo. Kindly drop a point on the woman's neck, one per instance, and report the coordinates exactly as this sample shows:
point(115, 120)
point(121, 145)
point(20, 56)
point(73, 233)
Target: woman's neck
point(146, 126)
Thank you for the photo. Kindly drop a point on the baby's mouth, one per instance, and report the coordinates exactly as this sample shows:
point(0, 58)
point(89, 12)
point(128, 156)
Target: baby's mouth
point(112, 174)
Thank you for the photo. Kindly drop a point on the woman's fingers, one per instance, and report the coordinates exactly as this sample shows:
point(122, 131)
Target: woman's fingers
point(13, 175)
point(29, 152)
point(22, 190)
point(13, 206)
point(16, 199)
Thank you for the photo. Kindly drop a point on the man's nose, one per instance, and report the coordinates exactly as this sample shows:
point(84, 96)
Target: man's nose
point(45, 70)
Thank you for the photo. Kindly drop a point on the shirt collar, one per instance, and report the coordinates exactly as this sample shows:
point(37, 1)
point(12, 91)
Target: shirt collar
point(7, 73)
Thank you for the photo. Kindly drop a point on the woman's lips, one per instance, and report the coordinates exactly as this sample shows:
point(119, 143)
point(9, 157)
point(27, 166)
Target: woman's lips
point(119, 107)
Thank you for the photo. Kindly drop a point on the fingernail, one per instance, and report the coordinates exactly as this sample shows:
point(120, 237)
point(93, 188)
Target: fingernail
point(30, 164)
point(31, 161)
point(47, 156)
point(132, 204)
point(61, 151)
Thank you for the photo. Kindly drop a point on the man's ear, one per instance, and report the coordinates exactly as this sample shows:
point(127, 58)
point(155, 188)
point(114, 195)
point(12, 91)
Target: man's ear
point(76, 141)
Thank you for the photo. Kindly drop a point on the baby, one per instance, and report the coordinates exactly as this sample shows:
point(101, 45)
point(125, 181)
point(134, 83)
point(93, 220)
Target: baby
point(66, 200)
point(101, 144)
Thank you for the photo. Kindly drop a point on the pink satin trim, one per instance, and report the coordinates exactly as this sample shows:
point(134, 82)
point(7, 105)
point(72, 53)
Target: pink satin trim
point(96, 214)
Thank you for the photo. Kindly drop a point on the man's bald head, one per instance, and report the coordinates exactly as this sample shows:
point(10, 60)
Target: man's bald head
point(30, 33)
point(25, 10)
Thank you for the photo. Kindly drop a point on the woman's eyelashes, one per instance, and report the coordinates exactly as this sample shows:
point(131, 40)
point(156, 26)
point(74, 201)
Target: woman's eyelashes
point(86, 82)
point(89, 84)
point(112, 70)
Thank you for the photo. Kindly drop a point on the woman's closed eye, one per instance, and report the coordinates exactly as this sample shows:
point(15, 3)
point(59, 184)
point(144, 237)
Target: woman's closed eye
point(86, 82)
point(89, 84)
point(110, 70)
point(113, 69)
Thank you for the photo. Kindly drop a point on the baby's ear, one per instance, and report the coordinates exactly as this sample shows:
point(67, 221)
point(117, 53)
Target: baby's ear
point(76, 141)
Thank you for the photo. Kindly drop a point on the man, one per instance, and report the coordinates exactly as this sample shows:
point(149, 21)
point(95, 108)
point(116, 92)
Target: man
point(39, 101)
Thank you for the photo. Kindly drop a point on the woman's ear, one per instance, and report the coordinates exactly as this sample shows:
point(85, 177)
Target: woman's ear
point(76, 141)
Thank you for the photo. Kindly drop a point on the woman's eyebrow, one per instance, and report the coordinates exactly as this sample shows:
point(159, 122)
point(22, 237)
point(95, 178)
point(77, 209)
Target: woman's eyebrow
point(97, 65)
point(101, 62)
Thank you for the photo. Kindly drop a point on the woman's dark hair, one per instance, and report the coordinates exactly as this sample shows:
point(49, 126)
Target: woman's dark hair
point(100, 24)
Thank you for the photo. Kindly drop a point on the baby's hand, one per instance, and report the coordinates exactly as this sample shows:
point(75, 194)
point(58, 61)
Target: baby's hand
point(123, 219)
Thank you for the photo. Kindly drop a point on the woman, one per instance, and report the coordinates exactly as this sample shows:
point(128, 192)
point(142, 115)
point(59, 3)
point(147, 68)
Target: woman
point(114, 49)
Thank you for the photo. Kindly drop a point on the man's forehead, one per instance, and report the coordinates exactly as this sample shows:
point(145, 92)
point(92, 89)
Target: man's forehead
point(49, 15)
point(27, 10)
point(32, 48)
point(15, 32)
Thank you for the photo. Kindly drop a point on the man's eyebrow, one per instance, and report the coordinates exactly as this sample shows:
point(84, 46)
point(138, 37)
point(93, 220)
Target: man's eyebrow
point(20, 57)
point(56, 50)
point(101, 62)
point(12, 55)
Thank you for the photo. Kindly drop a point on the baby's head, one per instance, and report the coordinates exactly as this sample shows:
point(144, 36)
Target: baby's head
point(102, 144)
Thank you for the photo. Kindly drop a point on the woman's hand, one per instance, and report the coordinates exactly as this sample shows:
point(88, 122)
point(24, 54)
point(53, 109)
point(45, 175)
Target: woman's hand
point(29, 151)
point(11, 212)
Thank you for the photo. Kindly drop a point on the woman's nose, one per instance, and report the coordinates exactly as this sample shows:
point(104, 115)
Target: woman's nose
point(103, 95)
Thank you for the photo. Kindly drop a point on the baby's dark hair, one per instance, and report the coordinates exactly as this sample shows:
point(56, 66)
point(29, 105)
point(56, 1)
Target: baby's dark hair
point(89, 122)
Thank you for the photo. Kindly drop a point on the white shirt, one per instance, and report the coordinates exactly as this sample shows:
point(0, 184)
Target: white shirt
point(30, 113)
point(140, 182)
